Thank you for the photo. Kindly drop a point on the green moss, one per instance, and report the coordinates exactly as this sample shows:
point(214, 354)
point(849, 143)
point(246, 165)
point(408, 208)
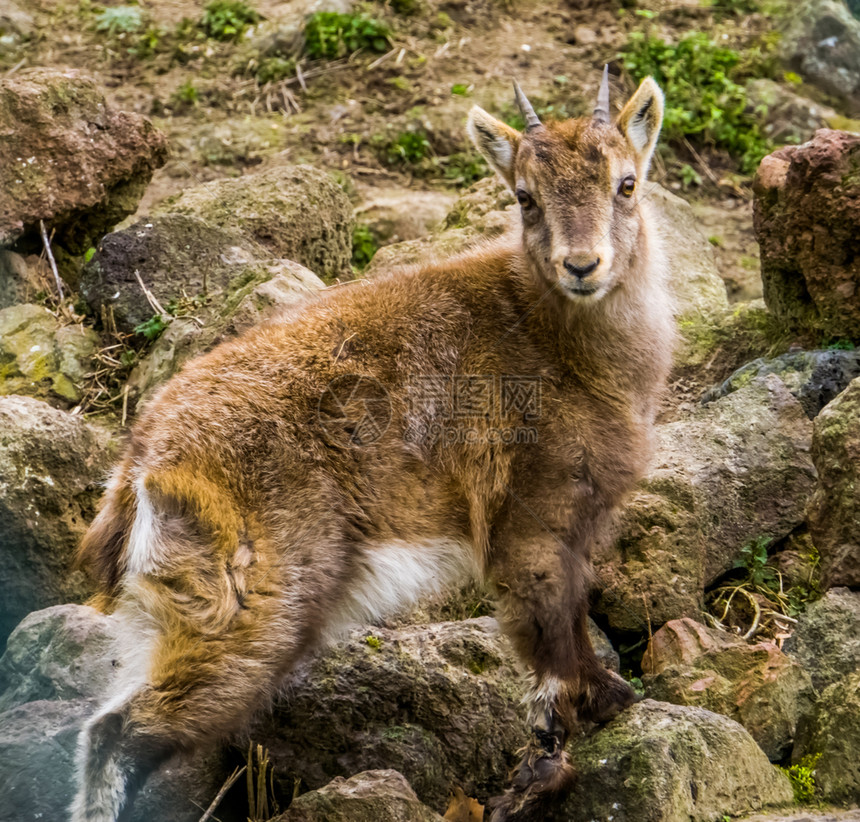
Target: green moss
point(373, 642)
point(802, 778)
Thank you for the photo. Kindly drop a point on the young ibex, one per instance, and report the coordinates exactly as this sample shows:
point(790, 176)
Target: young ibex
point(481, 415)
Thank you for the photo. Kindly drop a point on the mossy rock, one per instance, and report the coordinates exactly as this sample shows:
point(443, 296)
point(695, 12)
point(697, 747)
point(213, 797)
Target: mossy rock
point(41, 358)
point(832, 736)
point(669, 763)
point(292, 212)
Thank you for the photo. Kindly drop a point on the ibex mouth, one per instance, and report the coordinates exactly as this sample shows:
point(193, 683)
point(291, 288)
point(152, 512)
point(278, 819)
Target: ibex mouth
point(579, 289)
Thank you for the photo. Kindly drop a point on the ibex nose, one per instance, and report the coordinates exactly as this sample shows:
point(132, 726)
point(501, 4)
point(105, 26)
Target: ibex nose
point(579, 268)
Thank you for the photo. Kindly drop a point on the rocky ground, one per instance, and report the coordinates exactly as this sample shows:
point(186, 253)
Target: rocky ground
point(194, 173)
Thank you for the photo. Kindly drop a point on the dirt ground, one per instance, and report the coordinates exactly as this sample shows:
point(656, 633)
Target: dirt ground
point(222, 122)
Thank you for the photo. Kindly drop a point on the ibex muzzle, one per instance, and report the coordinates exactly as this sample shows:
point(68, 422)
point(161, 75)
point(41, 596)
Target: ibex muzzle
point(480, 416)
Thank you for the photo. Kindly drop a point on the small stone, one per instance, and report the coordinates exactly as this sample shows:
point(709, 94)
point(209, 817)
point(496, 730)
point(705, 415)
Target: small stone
point(584, 36)
point(370, 796)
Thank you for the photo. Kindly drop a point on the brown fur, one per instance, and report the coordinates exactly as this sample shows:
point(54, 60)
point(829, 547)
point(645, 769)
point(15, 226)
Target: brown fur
point(268, 505)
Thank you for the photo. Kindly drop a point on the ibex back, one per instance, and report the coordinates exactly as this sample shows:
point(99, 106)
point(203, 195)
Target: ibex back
point(478, 416)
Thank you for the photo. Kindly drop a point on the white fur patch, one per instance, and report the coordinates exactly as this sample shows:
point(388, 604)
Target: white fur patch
point(395, 575)
point(541, 699)
point(142, 547)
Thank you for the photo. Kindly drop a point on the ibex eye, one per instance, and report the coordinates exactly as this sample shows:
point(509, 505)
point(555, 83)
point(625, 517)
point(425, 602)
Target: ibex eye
point(628, 186)
point(524, 199)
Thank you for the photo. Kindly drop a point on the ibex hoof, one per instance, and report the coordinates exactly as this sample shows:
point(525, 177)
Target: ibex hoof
point(605, 699)
point(543, 776)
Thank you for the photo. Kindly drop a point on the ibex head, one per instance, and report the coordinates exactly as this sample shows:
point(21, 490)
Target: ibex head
point(578, 183)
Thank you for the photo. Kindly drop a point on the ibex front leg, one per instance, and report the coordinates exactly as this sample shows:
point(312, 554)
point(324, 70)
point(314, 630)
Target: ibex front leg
point(541, 574)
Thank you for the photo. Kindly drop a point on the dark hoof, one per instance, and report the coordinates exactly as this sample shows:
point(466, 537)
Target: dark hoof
point(605, 698)
point(540, 780)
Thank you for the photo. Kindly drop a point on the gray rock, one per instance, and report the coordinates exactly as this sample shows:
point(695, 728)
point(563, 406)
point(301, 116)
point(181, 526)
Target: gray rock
point(60, 653)
point(439, 703)
point(56, 668)
point(821, 40)
point(37, 747)
point(37, 781)
point(814, 377)
point(734, 470)
point(42, 358)
point(178, 257)
point(670, 763)
point(261, 293)
point(294, 212)
point(833, 735)
point(834, 511)
point(395, 215)
point(371, 796)
point(52, 465)
point(68, 158)
point(694, 281)
point(787, 117)
point(17, 283)
point(826, 640)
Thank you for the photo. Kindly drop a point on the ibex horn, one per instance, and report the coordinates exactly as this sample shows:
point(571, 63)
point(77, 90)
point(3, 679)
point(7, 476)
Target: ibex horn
point(532, 121)
point(601, 113)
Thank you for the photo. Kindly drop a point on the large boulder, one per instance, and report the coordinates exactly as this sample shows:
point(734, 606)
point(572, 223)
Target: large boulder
point(694, 280)
point(52, 465)
point(834, 511)
point(732, 471)
point(826, 640)
point(293, 212)
point(820, 39)
point(814, 377)
point(807, 222)
point(188, 265)
point(670, 763)
point(755, 684)
point(264, 291)
point(439, 703)
point(57, 667)
point(41, 357)
point(59, 653)
point(831, 738)
point(370, 796)
point(788, 117)
point(68, 158)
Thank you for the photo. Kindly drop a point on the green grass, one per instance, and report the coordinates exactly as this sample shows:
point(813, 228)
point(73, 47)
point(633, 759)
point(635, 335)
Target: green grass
point(330, 35)
point(802, 778)
point(705, 99)
point(228, 19)
point(364, 246)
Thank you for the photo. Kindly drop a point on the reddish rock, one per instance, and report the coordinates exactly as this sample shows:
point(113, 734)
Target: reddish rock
point(756, 684)
point(807, 222)
point(69, 159)
point(834, 511)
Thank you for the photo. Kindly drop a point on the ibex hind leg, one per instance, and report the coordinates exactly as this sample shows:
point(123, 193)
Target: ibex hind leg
point(200, 688)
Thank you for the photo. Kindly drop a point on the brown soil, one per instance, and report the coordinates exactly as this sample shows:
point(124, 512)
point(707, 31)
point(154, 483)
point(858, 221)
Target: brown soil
point(347, 108)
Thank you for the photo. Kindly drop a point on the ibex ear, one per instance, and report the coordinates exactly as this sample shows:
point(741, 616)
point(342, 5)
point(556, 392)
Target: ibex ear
point(497, 141)
point(640, 121)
